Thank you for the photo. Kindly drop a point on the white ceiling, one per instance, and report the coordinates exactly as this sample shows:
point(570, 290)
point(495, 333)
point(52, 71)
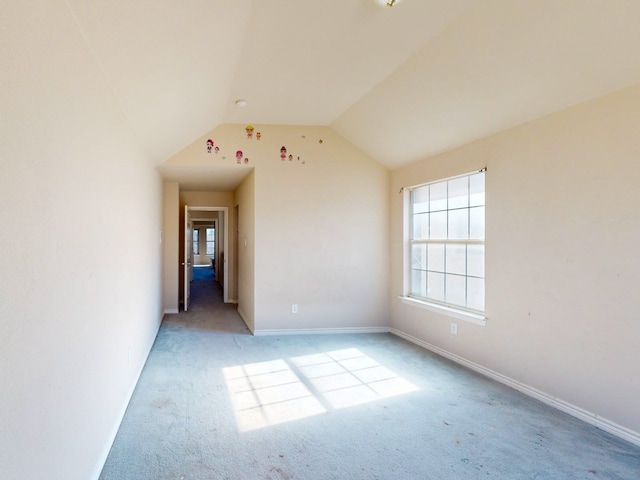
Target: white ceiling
point(400, 83)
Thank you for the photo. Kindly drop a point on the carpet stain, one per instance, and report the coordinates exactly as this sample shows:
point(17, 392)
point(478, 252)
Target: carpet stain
point(162, 403)
point(278, 474)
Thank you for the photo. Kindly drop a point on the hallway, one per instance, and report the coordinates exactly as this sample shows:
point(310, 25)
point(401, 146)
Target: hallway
point(207, 307)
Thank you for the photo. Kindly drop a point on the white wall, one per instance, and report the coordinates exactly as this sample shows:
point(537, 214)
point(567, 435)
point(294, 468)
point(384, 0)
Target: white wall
point(562, 261)
point(80, 256)
point(321, 227)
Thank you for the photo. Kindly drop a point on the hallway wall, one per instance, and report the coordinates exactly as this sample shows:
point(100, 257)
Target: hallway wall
point(171, 232)
point(244, 239)
point(80, 251)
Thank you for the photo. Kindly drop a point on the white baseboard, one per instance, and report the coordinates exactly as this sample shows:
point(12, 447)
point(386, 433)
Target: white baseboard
point(584, 415)
point(320, 331)
point(123, 410)
point(171, 310)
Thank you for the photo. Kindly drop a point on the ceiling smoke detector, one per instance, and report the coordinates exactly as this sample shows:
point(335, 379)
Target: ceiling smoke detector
point(241, 103)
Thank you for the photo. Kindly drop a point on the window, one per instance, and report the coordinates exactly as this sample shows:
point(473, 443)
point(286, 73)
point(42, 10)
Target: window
point(446, 242)
point(211, 241)
point(196, 236)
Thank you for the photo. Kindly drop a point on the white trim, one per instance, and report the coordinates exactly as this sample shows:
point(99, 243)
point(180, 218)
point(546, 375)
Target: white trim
point(566, 407)
point(171, 311)
point(320, 331)
point(123, 409)
point(448, 311)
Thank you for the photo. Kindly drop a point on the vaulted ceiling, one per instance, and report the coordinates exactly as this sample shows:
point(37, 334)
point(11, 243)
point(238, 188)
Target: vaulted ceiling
point(400, 83)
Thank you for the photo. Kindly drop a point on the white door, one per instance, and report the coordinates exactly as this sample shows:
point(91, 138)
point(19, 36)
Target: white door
point(188, 257)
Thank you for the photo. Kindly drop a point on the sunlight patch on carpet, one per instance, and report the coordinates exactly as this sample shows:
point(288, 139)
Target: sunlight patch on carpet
point(278, 391)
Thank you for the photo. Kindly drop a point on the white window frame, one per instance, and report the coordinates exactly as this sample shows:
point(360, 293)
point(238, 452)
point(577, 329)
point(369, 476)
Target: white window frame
point(456, 311)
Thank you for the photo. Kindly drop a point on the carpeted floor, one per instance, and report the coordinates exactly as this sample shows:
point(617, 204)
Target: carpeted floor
point(214, 402)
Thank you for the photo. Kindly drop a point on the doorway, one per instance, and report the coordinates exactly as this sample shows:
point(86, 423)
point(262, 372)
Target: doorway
point(212, 225)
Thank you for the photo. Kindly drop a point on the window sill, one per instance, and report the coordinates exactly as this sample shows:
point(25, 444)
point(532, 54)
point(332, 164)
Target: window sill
point(450, 312)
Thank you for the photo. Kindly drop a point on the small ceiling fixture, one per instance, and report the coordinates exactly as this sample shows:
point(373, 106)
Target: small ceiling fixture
point(241, 103)
point(387, 3)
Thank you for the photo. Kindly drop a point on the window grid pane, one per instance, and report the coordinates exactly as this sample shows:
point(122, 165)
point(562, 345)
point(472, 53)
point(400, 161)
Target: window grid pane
point(211, 241)
point(447, 242)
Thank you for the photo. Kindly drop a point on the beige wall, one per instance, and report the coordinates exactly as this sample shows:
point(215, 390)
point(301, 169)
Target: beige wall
point(562, 263)
point(244, 241)
point(171, 263)
point(322, 236)
point(321, 227)
point(80, 262)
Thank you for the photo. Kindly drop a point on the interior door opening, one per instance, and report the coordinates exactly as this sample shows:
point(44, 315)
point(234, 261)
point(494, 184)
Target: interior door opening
point(206, 242)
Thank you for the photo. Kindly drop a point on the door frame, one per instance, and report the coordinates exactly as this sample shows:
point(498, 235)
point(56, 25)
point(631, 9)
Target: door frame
point(225, 242)
point(188, 257)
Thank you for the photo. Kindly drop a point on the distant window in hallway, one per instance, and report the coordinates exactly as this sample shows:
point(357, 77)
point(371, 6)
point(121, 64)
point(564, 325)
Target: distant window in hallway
point(196, 246)
point(211, 241)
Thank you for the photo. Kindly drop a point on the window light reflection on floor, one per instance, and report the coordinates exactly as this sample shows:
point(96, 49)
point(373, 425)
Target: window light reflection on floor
point(278, 391)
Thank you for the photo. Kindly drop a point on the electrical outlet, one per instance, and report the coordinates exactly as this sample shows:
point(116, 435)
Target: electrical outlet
point(454, 328)
point(294, 308)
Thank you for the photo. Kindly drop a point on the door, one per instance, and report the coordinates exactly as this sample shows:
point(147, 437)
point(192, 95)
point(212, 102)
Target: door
point(188, 256)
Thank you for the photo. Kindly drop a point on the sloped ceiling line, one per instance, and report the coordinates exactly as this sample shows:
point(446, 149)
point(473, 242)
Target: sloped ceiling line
point(400, 83)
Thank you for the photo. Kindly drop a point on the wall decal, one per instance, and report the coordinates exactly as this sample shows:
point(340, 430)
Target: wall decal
point(246, 160)
point(239, 156)
point(209, 145)
point(249, 130)
point(258, 135)
point(283, 153)
point(290, 157)
point(217, 149)
point(320, 141)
